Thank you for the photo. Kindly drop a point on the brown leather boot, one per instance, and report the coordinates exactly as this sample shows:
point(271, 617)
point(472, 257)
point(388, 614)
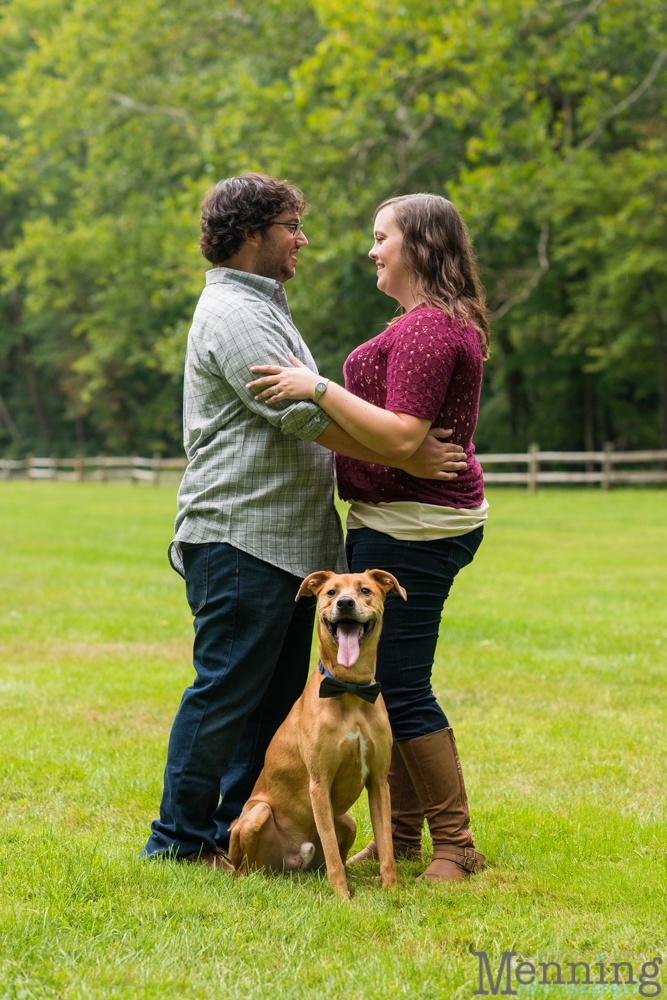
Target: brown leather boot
point(407, 815)
point(436, 774)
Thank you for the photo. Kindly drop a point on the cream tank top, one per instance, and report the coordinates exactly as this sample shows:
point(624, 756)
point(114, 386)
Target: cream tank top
point(411, 521)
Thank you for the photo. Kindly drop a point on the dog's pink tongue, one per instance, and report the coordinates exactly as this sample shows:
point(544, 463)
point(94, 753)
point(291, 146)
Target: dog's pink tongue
point(348, 644)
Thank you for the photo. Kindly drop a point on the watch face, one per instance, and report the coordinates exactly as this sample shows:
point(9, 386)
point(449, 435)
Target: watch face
point(320, 387)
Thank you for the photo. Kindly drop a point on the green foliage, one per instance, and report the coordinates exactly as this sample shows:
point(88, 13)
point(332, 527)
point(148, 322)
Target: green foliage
point(545, 124)
point(550, 668)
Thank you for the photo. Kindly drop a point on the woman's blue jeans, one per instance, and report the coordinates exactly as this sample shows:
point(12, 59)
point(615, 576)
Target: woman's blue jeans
point(410, 629)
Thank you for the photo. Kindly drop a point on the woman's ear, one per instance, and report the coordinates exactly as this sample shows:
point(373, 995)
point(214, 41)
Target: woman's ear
point(314, 583)
point(387, 581)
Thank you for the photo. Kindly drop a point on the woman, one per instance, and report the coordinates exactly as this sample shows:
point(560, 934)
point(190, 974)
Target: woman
point(424, 370)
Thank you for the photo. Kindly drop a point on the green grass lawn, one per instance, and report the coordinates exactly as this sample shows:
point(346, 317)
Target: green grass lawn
point(551, 667)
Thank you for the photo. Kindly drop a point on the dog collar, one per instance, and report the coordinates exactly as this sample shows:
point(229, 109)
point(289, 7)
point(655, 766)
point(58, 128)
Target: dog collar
point(331, 687)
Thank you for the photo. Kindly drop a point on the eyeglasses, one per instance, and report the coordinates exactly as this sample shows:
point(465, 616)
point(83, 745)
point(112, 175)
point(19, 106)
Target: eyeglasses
point(296, 227)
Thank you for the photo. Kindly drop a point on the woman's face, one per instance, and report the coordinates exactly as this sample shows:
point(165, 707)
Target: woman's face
point(393, 278)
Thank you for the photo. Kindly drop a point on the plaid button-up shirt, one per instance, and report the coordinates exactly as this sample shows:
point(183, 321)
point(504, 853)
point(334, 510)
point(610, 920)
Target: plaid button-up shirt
point(255, 478)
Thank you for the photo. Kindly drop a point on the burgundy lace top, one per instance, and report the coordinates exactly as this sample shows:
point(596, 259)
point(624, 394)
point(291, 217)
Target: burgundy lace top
point(431, 367)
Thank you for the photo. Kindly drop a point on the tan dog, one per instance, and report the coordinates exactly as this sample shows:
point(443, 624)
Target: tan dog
point(329, 747)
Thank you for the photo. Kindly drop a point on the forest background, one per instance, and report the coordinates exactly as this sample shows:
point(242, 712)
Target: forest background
point(543, 121)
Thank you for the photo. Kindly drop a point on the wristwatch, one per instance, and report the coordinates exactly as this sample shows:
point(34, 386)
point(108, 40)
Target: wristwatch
point(319, 389)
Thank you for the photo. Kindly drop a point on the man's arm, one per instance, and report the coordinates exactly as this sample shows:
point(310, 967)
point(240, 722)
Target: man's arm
point(434, 459)
point(241, 337)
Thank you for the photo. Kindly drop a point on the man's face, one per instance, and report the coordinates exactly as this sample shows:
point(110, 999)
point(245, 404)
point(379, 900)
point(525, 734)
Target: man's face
point(278, 248)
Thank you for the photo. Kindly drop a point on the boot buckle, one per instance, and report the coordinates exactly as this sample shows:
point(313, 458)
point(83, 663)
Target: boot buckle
point(469, 861)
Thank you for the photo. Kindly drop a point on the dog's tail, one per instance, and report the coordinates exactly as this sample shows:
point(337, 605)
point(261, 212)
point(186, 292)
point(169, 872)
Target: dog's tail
point(306, 852)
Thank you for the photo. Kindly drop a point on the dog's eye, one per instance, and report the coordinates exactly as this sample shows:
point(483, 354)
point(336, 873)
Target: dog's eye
point(331, 593)
point(365, 590)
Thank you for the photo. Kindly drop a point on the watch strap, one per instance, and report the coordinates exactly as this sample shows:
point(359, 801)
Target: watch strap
point(323, 383)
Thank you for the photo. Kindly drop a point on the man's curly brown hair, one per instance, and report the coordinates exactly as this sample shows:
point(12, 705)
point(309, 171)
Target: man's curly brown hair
point(236, 205)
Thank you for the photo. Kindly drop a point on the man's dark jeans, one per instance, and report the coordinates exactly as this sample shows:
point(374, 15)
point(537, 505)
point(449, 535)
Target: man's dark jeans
point(410, 628)
point(251, 653)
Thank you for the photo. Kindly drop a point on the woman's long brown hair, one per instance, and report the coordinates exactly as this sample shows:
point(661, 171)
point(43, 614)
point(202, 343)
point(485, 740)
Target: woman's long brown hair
point(440, 259)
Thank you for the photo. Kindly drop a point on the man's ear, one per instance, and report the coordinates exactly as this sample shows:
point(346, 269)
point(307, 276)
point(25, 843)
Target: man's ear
point(314, 583)
point(251, 238)
point(387, 581)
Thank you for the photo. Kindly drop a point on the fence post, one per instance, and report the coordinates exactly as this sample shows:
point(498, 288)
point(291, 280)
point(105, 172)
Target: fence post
point(533, 467)
point(607, 466)
point(29, 461)
point(157, 463)
point(103, 468)
point(78, 469)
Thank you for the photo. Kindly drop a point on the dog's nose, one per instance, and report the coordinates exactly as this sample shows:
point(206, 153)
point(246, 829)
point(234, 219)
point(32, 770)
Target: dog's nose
point(345, 603)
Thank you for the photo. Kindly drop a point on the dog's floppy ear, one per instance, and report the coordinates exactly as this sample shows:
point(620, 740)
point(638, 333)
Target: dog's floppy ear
point(314, 583)
point(387, 581)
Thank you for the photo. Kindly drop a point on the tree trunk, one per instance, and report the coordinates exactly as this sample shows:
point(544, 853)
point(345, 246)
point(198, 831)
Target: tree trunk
point(35, 394)
point(589, 419)
point(607, 426)
point(662, 381)
point(661, 351)
point(516, 387)
point(15, 315)
point(6, 419)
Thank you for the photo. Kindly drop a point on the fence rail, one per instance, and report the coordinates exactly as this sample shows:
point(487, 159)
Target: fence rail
point(158, 470)
point(607, 475)
point(104, 468)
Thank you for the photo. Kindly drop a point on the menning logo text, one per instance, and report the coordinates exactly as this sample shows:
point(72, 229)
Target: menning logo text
point(526, 974)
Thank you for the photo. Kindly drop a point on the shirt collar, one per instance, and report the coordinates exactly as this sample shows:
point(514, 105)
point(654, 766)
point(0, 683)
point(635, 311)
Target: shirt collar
point(269, 287)
point(228, 275)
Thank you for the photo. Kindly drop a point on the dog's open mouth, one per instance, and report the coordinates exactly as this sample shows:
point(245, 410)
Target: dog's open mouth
point(349, 635)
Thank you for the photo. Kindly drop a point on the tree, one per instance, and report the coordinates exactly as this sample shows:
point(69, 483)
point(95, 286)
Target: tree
point(542, 122)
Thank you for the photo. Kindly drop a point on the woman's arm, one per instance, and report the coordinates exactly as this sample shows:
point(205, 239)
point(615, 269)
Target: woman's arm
point(396, 436)
point(434, 459)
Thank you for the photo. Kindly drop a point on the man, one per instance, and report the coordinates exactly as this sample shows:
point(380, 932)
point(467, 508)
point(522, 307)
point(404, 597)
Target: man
point(256, 515)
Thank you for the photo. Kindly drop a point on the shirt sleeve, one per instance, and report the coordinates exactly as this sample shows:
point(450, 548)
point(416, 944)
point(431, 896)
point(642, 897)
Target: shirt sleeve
point(420, 363)
point(248, 337)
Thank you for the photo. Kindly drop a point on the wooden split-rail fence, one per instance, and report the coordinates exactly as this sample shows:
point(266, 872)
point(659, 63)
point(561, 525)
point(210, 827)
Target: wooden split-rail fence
point(613, 467)
point(104, 468)
point(605, 468)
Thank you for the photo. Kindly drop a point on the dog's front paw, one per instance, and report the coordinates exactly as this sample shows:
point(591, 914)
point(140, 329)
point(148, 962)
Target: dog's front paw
point(306, 853)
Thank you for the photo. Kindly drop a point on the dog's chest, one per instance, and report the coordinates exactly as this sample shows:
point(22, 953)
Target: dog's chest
point(362, 751)
point(356, 755)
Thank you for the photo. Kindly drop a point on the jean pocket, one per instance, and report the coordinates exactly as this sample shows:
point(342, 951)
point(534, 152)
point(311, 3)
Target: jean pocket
point(464, 548)
point(195, 565)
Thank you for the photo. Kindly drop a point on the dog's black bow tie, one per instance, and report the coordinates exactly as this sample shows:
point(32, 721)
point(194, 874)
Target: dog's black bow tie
point(332, 688)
